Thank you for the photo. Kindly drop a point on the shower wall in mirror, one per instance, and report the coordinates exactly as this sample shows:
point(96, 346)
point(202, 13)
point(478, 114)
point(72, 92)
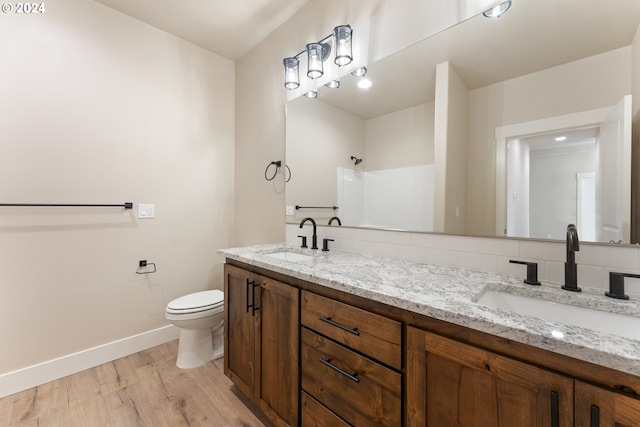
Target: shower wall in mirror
point(516, 126)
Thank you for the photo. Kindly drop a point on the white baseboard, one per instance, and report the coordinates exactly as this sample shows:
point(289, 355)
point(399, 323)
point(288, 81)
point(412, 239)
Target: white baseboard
point(26, 378)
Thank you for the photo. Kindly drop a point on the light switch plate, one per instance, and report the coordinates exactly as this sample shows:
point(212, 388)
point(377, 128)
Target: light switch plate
point(290, 211)
point(146, 211)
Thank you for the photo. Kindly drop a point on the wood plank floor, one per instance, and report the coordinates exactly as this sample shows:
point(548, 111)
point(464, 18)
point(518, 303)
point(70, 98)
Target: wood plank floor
point(143, 389)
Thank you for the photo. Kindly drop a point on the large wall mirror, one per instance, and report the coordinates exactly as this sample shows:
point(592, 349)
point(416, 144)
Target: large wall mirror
point(515, 126)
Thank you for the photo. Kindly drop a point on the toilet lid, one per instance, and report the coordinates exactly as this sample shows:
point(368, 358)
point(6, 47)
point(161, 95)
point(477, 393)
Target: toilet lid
point(197, 300)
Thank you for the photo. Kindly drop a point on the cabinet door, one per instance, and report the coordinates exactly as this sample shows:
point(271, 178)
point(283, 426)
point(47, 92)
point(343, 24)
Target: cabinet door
point(280, 331)
point(240, 325)
point(598, 407)
point(454, 384)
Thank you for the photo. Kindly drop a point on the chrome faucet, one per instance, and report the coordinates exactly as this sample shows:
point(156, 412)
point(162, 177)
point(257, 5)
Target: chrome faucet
point(570, 267)
point(314, 241)
point(336, 218)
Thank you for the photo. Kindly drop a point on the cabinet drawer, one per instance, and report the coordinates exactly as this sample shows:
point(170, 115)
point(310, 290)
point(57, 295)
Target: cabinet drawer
point(314, 414)
point(368, 333)
point(359, 390)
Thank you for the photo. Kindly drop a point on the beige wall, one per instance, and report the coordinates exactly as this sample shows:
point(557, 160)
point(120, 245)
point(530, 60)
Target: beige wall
point(381, 27)
point(590, 83)
point(97, 107)
point(456, 175)
point(400, 139)
point(322, 138)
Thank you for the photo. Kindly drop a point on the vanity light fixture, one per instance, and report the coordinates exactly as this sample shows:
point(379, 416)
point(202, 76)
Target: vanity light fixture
point(317, 53)
point(498, 10)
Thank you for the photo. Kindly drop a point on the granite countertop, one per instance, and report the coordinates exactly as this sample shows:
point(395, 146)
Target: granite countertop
point(451, 294)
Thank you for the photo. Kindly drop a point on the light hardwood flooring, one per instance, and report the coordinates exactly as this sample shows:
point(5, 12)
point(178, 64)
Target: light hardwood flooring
point(143, 389)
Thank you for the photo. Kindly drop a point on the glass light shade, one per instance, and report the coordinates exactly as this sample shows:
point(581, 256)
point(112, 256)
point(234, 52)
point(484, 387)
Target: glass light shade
point(314, 60)
point(291, 73)
point(311, 94)
point(344, 54)
point(497, 11)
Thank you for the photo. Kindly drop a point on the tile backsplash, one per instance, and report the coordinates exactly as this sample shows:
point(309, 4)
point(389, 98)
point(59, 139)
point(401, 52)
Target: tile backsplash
point(484, 253)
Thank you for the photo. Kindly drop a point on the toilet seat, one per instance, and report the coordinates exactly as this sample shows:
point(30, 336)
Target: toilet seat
point(196, 302)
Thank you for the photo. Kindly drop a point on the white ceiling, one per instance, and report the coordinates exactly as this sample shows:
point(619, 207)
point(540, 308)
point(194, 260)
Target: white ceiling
point(230, 28)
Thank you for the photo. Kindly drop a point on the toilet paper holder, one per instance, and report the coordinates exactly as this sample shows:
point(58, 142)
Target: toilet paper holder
point(143, 264)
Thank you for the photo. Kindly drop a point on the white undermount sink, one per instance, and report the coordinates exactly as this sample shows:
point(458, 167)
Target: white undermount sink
point(289, 256)
point(603, 321)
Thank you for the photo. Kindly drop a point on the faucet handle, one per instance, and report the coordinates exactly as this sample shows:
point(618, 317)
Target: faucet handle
point(616, 284)
point(304, 241)
point(532, 271)
point(325, 244)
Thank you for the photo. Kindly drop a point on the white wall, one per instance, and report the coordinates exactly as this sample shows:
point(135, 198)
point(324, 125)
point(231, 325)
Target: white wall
point(96, 107)
point(382, 198)
point(518, 178)
point(553, 189)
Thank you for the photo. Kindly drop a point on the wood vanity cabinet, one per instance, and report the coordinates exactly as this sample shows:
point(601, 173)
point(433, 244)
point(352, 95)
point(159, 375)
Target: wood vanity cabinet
point(335, 360)
point(262, 341)
point(599, 407)
point(350, 365)
point(453, 384)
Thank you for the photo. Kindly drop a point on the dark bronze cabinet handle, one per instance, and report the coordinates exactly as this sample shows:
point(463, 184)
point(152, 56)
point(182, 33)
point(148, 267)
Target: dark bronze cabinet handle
point(252, 285)
point(335, 368)
point(595, 416)
point(555, 411)
point(328, 320)
point(249, 283)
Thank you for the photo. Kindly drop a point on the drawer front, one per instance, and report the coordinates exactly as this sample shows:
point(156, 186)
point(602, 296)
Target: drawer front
point(359, 390)
point(371, 334)
point(314, 414)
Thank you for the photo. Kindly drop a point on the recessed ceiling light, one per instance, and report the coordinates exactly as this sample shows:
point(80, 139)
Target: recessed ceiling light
point(360, 72)
point(364, 83)
point(333, 84)
point(561, 138)
point(497, 11)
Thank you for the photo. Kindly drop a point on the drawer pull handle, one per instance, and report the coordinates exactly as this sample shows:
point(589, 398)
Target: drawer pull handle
point(328, 320)
point(335, 368)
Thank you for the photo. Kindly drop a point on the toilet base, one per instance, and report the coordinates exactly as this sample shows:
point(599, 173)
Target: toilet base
point(197, 347)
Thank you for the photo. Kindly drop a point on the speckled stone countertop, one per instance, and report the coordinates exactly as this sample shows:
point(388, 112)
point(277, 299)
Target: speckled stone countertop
point(450, 294)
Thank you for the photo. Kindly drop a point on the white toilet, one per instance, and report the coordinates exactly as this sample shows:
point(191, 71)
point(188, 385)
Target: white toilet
point(200, 317)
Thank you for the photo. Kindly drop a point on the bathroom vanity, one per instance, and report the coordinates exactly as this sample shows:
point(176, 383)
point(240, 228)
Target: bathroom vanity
point(339, 339)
